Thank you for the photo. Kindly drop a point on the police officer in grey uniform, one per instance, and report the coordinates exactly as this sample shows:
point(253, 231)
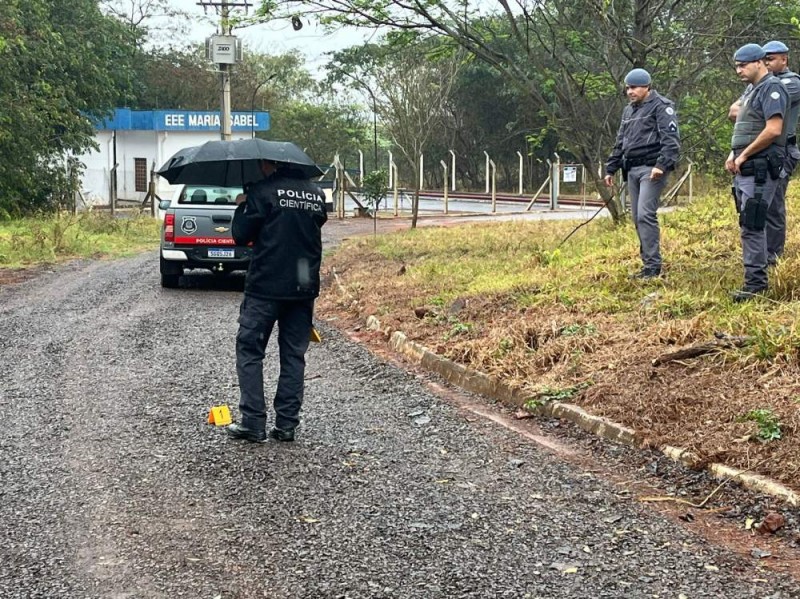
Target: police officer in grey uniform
point(759, 139)
point(282, 215)
point(777, 61)
point(646, 150)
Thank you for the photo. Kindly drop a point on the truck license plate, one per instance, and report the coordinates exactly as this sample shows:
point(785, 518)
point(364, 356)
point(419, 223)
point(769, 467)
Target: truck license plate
point(216, 253)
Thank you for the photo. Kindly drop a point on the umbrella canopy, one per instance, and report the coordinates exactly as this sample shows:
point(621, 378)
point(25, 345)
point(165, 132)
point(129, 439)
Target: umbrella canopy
point(233, 163)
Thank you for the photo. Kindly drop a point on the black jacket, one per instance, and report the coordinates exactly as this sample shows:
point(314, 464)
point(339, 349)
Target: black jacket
point(283, 218)
point(647, 129)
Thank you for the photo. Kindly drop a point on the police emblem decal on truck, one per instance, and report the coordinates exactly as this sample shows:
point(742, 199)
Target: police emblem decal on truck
point(189, 224)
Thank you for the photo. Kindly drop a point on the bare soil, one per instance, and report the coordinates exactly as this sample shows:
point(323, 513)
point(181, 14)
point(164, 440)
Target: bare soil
point(696, 404)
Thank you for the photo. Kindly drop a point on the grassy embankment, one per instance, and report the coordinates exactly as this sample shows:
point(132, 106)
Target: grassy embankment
point(520, 265)
point(54, 238)
point(568, 323)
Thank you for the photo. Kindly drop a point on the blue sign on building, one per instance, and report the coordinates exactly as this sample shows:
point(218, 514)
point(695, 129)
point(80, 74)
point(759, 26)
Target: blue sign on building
point(125, 119)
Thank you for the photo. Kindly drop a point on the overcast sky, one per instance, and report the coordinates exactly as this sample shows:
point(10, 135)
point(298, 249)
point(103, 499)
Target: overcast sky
point(276, 38)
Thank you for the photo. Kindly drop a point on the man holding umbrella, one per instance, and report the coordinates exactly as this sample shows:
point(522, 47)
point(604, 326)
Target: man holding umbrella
point(282, 216)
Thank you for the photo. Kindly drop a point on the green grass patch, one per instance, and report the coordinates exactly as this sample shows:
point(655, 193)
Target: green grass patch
point(522, 263)
point(550, 394)
point(52, 238)
point(769, 426)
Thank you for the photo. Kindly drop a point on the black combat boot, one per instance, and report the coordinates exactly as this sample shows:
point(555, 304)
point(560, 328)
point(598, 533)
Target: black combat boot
point(280, 434)
point(237, 431)
point(647, 273)
point(745, 294)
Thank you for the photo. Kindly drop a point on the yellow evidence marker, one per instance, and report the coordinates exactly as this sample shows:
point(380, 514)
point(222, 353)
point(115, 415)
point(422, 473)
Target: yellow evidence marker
point(219, 416)
point(315, 335)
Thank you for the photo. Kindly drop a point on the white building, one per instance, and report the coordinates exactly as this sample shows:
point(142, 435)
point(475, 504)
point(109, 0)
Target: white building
point(139, 141)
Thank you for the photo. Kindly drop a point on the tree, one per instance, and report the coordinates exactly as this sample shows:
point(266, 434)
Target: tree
point(410, 94)
point(148, 21)
point(570, 57)
point(374, 191)
point(170, 78)
point(63, 64)
point(323, 129)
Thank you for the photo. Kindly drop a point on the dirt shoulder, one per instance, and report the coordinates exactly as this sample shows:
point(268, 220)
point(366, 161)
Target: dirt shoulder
point(697, 404)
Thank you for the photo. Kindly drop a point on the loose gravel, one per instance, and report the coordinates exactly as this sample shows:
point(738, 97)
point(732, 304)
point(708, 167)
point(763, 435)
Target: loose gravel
point(112, 484)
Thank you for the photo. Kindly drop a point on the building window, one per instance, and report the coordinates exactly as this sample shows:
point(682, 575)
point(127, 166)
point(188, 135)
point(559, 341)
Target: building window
point(140, 173)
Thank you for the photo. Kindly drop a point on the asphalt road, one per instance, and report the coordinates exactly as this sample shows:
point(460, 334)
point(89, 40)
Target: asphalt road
point(112, 484)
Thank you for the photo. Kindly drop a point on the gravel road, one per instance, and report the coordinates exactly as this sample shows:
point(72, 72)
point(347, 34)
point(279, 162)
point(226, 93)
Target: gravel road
point(112, 484)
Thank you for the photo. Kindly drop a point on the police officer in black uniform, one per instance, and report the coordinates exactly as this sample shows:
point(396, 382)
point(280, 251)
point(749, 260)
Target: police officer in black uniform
point(759, 139)
point(646, 150)
point(777, 61)
point(282, 215)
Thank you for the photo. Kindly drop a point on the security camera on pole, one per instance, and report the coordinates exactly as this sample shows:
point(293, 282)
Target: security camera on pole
point(224, 50)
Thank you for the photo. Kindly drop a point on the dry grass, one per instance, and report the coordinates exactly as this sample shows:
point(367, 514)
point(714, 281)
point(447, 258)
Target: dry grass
point(501, 299)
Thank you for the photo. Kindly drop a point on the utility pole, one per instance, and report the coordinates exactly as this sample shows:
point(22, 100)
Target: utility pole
point(225, 50)
point(225, 79)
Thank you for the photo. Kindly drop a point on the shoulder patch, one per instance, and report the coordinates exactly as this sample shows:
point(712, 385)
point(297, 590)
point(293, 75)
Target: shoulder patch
point(670, 110)
point(786, 81)
point(774, 95)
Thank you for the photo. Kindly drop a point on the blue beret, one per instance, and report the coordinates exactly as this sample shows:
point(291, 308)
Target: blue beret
point(749, 53)
point(638, 77)
point(775, 47)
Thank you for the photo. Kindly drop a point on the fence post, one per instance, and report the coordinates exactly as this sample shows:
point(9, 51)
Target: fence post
point(521, 166)
point(452, 170)
point(583, 186)
point(393, 171)
point(444, 166)
point(494, 187)
point(555, 179)
point(112, 196)
point(487, 170)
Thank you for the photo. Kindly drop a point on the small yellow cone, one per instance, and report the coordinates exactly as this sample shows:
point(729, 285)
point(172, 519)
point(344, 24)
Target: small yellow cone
point(315, 335)
point(219, 416)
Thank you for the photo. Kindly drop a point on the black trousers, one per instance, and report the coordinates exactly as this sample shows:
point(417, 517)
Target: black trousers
point(257, 319)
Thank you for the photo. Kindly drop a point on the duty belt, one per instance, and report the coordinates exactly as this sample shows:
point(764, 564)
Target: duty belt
point(760, 167)
point(634, 161)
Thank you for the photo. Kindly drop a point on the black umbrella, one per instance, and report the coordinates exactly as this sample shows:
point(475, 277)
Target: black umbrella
point(233, 163)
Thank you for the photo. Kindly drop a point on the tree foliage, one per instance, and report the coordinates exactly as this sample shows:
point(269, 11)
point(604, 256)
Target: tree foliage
point(570, 57)
point(62, 64)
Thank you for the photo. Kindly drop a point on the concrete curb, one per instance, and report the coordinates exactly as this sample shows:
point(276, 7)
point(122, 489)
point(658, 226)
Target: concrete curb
point(480, 383)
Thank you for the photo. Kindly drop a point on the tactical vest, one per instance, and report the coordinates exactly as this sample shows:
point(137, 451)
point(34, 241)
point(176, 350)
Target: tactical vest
point(749, 122)
point(793, 109)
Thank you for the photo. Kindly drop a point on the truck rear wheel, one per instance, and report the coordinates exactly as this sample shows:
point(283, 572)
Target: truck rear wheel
point(170, 273)
point(170, 281)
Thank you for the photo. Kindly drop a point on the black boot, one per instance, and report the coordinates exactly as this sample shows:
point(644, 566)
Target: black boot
point(745, 294)
point(280, 434)
point(647, 273)
point(237, 431)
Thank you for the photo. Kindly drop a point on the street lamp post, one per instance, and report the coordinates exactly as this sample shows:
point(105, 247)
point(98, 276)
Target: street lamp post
point(374, 129)
point(374, 113)
point(253, 103)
